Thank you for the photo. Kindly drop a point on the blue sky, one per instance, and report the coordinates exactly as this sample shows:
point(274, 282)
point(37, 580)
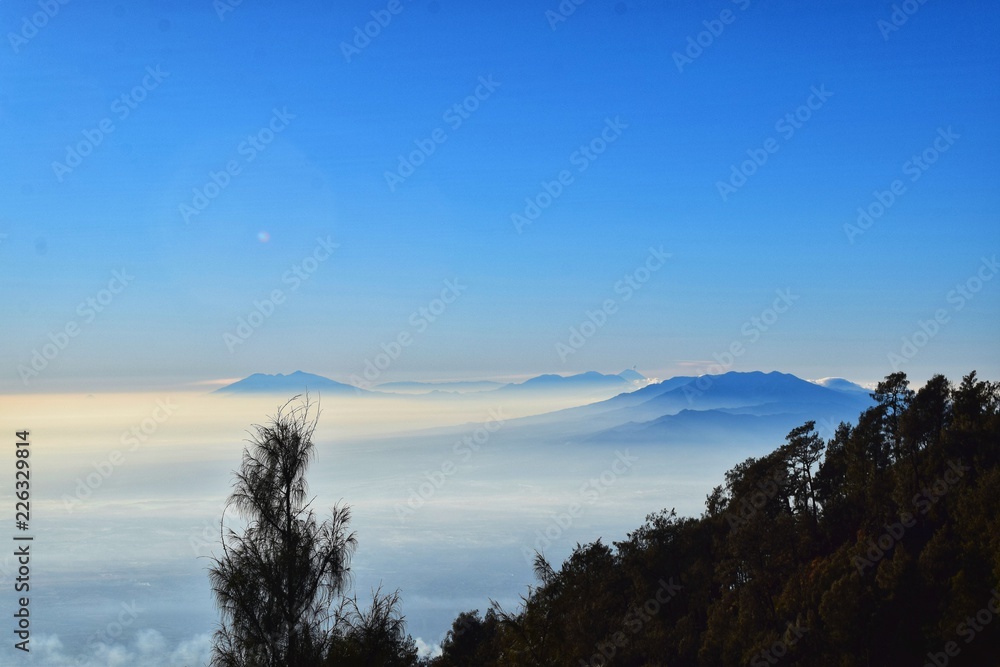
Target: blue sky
point(336, 124)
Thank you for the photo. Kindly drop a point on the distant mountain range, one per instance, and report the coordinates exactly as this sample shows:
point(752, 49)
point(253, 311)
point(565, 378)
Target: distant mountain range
point(709, 408)
point(756, 392)
point(583, 383)
point(586, 383)
point(628, 409)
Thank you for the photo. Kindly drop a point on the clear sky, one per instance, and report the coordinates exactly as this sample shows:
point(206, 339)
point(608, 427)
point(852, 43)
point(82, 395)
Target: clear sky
point(115, 116)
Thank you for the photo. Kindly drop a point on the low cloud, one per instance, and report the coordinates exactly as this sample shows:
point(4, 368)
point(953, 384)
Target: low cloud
point(426, 650)
point(148, 648)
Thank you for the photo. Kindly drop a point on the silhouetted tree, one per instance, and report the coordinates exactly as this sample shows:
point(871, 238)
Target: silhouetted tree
point(832, 473)
point(893, 396)
point(803, 449)
point(850, 566)
point(276, 581)
point(372, 636)
point(470, 640)
point(923, 424)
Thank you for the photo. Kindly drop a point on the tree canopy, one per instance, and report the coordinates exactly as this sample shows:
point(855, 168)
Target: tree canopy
point(879, 546)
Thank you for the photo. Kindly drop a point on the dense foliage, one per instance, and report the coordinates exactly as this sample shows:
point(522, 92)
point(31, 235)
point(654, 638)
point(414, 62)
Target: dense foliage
point(880, 546)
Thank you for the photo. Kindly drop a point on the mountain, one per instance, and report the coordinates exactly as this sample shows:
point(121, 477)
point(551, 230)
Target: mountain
point(704, 409)
point(642, 395)
point(709, 408)
point(293, 383)
point(588, 385)
point(634, 377)
point(710, 427)
point(588, 382)
point(733, 390)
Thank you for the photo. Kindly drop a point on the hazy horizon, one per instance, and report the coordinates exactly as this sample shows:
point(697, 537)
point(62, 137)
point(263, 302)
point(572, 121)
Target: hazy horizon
point(163, 483)
point(107, 385)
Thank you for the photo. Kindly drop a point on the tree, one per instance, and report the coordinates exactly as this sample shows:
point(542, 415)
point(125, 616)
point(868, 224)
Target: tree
point(373, 636)
point(893, 396)
point(471, 640)
point(875, 576)
point(922, 426)
point(804, 448)
point(275, 583)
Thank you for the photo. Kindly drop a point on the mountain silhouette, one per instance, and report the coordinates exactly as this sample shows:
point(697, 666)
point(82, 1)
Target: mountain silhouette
point(293, 383)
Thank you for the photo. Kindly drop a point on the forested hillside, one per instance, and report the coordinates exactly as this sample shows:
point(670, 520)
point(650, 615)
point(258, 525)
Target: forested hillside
point(880, 546)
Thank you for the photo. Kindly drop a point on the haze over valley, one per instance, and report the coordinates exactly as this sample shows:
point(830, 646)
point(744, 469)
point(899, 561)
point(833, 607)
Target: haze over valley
point(449, 489)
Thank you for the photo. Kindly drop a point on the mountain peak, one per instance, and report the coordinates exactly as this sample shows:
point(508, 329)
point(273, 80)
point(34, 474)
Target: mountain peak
point(632, 375)
point(297, 382)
